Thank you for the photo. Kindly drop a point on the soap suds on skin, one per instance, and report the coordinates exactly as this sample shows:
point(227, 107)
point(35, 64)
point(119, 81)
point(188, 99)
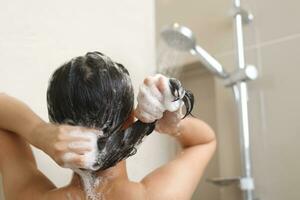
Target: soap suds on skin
point(89, 181)
point(90, 157)
point(90, 184)
point(153, 103)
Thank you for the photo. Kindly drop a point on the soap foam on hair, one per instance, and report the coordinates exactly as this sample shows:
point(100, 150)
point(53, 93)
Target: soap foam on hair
point(169, 102)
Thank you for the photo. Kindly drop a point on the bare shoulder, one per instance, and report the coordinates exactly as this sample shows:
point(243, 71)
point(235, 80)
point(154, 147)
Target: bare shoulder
point(124, 190)
point(20, 175)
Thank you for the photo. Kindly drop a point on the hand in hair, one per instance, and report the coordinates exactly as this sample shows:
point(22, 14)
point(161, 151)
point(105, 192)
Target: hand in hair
point(161, 99)
point(169, 123)
point(69, 146)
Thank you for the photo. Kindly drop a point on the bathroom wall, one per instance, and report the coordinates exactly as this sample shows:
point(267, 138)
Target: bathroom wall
point(273, 41)
point(37, 36)
point(272, 44)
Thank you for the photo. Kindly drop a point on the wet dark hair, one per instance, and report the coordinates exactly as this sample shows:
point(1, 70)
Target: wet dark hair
point(94, 91)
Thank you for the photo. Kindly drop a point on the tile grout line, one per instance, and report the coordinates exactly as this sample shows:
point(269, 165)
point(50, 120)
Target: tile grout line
point(263, 44)
point(279, 40)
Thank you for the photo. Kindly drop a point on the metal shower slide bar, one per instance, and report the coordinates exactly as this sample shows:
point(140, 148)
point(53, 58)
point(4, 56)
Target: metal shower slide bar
point(183, 39)
point(238, 81)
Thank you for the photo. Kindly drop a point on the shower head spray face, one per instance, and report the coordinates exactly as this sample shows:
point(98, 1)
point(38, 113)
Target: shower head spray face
point(182, 38)
point(179, 37)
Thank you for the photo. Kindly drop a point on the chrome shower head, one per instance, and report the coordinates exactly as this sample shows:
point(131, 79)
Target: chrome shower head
point(182, 38)
point(179, 37)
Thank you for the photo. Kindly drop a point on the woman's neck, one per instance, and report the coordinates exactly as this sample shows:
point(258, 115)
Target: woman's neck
point(112, 174)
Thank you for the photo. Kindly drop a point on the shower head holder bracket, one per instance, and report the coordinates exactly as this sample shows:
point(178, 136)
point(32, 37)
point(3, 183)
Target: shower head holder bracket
point(247, 16)
point(246, 74)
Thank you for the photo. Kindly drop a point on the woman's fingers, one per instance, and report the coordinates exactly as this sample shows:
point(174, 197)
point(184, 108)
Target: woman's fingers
point(162, 84)
point(81, 135)
point(74, 146)
point(149, 108)
point(79, 138)
point(148, 80)
point(154, 111)
point(76, 141)
point(144, 116)
point(73, 160)
point(80, 147)
point(146, 92)
point(62, 148)
point(154, 99)
point(149, 102)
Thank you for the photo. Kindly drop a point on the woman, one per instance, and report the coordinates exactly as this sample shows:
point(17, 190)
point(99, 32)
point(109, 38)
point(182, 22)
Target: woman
point(93, 94)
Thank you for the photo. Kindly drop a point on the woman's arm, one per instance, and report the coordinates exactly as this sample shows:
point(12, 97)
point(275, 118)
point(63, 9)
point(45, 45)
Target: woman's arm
point(193, 131)
point(19, 125)
point(179, 178)
point(17, 117)
point(55, 140)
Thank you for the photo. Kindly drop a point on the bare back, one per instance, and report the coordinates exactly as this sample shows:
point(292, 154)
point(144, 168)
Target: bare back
point(22, 179)
point(177, 179)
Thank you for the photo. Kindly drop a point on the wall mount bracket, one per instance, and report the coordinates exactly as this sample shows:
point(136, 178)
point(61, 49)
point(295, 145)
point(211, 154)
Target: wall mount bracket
point(246, 74)
point(247, 16)
point(245, 183)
